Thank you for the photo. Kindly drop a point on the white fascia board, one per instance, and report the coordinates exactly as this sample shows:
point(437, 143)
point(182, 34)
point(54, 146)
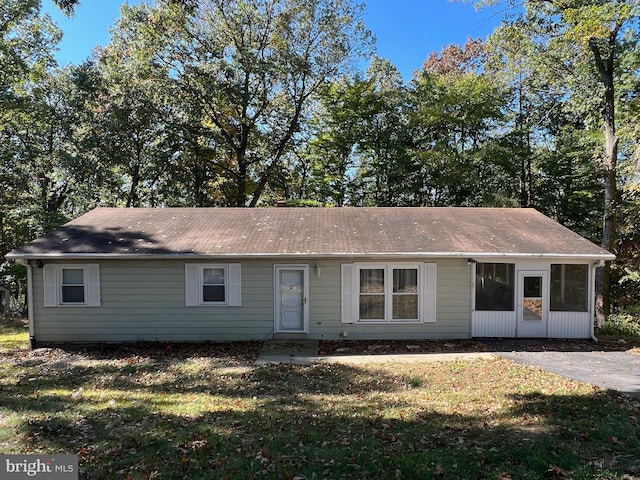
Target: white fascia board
point(189, 256)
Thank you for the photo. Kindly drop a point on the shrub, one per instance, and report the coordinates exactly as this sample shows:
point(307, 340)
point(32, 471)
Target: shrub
point(625, 323)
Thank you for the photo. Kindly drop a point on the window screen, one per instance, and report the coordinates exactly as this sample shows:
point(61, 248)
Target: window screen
point(569, 292)
point(495, 286)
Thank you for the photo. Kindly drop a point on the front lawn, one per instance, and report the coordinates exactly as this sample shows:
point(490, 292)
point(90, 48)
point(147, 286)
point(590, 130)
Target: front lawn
point(206, 412)
point(14, 335)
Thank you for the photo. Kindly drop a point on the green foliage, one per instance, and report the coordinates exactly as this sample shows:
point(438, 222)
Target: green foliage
point(243, 74)
point(26, 43)
point(624, 324)
point(67, 6)
point(456, 118)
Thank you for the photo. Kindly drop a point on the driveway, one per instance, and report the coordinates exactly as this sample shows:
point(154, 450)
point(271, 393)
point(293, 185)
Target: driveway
point(579, 360)
point(613, 370)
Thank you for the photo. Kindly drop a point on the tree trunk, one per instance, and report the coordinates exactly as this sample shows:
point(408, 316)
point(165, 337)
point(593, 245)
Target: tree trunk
point(133, 200)
point(241, 180)
point(605, 68)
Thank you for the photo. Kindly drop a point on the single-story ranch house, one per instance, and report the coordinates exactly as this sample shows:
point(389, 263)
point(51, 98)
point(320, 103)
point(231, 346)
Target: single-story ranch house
point(218, 274)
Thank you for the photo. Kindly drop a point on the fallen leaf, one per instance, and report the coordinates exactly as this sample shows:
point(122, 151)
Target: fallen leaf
point(558, 473)
point(614, 440)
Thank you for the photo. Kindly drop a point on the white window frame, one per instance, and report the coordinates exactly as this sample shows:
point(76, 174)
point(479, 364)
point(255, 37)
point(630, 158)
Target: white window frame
point(351, 292)
point(52, 279)
point(194, 283)
point(201, 283)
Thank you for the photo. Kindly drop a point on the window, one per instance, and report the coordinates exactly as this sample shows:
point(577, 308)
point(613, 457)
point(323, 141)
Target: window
point(569, 289)
point(495, 284)
point(373, 293)
point(405, 294)
point(212, 284)
point(71, 285)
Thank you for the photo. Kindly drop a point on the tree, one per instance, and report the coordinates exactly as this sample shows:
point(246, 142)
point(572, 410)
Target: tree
point(249, 69)
point(67, 6)
point(137, 133)
point(339, 125)
point(26, 43)
point(550, 134)
point(386, 139)
point(456, 115)
point(596, 34)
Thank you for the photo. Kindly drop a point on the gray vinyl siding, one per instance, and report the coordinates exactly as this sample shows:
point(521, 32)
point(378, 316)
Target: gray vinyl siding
point(144, 300)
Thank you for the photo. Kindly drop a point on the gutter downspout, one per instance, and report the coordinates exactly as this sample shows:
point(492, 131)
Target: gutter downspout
point(472, 300)
point(599, 263)
point(32, 335)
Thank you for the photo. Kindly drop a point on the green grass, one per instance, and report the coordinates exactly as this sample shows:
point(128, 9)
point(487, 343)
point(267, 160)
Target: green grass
point(14, 335)
point(204, 413)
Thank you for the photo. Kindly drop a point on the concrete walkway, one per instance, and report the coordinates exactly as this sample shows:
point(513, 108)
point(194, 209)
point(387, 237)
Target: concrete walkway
point(296, 352)
point(613, 370)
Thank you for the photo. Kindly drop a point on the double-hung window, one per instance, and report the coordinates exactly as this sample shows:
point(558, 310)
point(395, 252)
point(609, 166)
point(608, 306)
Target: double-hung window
point(379, 293)
point(71, 285)
point(372, 294)
point(212, 284)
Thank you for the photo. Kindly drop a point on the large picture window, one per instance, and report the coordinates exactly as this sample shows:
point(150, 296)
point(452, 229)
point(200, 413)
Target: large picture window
point(495, 286)
point(388, 293)
point(569, 288)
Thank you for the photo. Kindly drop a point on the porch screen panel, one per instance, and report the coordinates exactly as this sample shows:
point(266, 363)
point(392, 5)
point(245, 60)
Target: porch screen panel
point(569, 288)
point(495, 286)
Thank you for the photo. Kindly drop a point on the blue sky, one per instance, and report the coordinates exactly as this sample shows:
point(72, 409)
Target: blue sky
point(406, 30)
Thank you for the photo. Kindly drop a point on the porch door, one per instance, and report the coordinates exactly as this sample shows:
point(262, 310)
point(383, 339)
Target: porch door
point(533, 304)
point(291, 298)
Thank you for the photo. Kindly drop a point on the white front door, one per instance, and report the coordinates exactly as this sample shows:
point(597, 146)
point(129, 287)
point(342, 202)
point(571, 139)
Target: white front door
point(291, 298)
point(533, 304)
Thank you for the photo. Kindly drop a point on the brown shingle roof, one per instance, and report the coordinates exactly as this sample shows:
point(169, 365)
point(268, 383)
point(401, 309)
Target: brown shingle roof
point(214, 232)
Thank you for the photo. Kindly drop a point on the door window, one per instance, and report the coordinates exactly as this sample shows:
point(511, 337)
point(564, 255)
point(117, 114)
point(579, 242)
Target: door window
point(532, 299)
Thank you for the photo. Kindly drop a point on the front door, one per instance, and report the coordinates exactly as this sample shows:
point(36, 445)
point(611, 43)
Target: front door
point(533, 305)
point(291, 302)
